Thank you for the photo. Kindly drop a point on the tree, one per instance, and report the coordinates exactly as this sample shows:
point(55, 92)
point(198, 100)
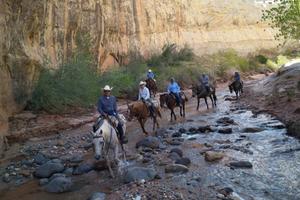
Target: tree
point(285, 17)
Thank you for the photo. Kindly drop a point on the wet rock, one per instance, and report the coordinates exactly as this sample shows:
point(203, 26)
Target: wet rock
point(174, 156)
point(241, 164)
point(183, 161)
point(176, 168)
point(43, 181)
point(68, 171)
point(97, 196)
point(47, 169)
point(40, 159)
point(59, 185)
point(178, 151)
point(149, 141)
point(25, 172)
point(76, 159)
point(293, 128)
point(175, 141)
point(177, 134)
point(6, 178)
point(83, 168)
point(192, 130)
point(225, 130)
point(277, 126)
point(138, 173)
point(252, 130)
point(19, 181)
point(27, 163)
point(56, 175)
point(226, 191)
point(225, 121)
point(205, 129)
point(56, 160)
point(212, 156)
point(182, 130)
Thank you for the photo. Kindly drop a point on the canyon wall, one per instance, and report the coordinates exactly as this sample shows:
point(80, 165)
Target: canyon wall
point(42, 33)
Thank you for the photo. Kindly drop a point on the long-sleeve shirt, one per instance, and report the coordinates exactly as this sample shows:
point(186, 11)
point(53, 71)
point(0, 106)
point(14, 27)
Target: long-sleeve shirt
point(205, 80)
point(150, 75)
point(144, 93)
point(173, 87)
point(237, 77)
point(107, 105)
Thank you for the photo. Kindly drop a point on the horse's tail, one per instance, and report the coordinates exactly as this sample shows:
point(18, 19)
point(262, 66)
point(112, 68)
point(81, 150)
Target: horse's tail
point(185, 97)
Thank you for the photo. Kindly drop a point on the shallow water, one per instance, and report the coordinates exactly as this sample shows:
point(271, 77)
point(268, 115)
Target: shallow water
point(274, 155)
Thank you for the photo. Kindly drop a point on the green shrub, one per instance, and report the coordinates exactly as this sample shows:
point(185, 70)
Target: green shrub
point(261, 59)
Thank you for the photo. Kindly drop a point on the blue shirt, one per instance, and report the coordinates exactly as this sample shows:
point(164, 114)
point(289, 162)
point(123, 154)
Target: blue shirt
point(144, 93)
point(205, 80)
point(173, 87)
point(150, 75)
point(107, 105)
point(237, 77)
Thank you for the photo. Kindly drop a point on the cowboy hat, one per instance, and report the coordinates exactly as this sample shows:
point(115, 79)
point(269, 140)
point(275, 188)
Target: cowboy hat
point(142, 83)
point(149, 70)
point(107, 88)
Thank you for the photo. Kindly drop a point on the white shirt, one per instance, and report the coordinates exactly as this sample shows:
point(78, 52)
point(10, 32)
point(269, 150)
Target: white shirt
point(144, 93)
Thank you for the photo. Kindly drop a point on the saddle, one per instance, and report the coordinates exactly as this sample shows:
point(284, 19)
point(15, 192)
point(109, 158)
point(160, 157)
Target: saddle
point(100, 121)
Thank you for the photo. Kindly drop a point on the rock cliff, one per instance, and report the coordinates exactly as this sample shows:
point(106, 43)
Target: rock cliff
point(35, 34)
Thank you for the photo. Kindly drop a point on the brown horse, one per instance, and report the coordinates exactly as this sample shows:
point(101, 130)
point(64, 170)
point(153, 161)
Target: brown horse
point(200, 91)
point(237, 87)
point(141, 111)
point(151, 85)
point(170, 101)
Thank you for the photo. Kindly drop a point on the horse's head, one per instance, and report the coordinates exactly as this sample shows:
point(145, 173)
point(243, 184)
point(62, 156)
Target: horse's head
point(162, 100)
point(130, 113)
point(230, 88)
point(97, 142)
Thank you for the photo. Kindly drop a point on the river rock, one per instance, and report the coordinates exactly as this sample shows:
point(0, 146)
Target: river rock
point(225, 130)
point(149, 141)
point(43, 181)
point(205, 129)
point(225, 121)
point(182, 130)
point(174, 156)
point(40, 159)
point(252, 130)
point(177, 134)
point(138, 173)
point(241, 164)
point(68, 171)
point(183, 161)
point(211, 156)
point(178, 151)
point(83, 168)
point(176, 168)
point(97, 196)
point(76, 159)
point(59, 185)
point(47, 169)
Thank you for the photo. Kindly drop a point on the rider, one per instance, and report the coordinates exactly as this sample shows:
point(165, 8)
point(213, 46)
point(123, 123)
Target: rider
point(107, 107)
point(205, 81)
point(237, 77)
point(174, 89)
point(150, 74)
point(144, 95)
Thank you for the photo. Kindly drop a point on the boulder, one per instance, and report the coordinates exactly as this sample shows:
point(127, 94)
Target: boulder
point(47, 169)
point(252, 130)
point(138, 174)
point(241, 164)
point(174, 156)
point(59, 185)
point(183, 161)
point(97, 196)
point(40, 159)
point(176, 168)
point(205, 129)
point(211, 156)
point(149, 141)
point(177, 134)
point(43, 181)
point(83, 168)
point(178, 151)
point(225, 130)
point(225, 121)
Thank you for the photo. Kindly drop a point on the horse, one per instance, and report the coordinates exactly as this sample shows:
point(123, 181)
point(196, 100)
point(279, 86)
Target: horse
point(106, 142)
point(201, 92)
point(151, 85)
point(237, 87)
point(140, 110)
point(170, 101)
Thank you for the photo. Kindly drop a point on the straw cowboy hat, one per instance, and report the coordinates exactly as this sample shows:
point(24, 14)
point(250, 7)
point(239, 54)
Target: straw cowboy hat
point(107, 88)
point(142, 83)
point(149, 70)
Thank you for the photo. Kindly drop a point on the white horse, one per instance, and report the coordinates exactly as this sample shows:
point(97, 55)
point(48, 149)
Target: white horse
point(106, 143)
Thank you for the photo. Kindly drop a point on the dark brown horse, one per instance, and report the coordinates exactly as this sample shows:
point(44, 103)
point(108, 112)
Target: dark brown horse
point(141, 111)
point(200, 91)
point(151, 85)
point(237, 87)
point(170, 101)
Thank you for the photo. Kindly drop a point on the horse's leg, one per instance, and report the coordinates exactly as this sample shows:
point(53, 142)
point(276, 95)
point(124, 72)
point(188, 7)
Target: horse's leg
point(174, 115)
point(142, 123)
point(183, 108)
point(109, 168)
point(206, 102)
point(198, 102)
point(212, 101)
point(180, 111)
